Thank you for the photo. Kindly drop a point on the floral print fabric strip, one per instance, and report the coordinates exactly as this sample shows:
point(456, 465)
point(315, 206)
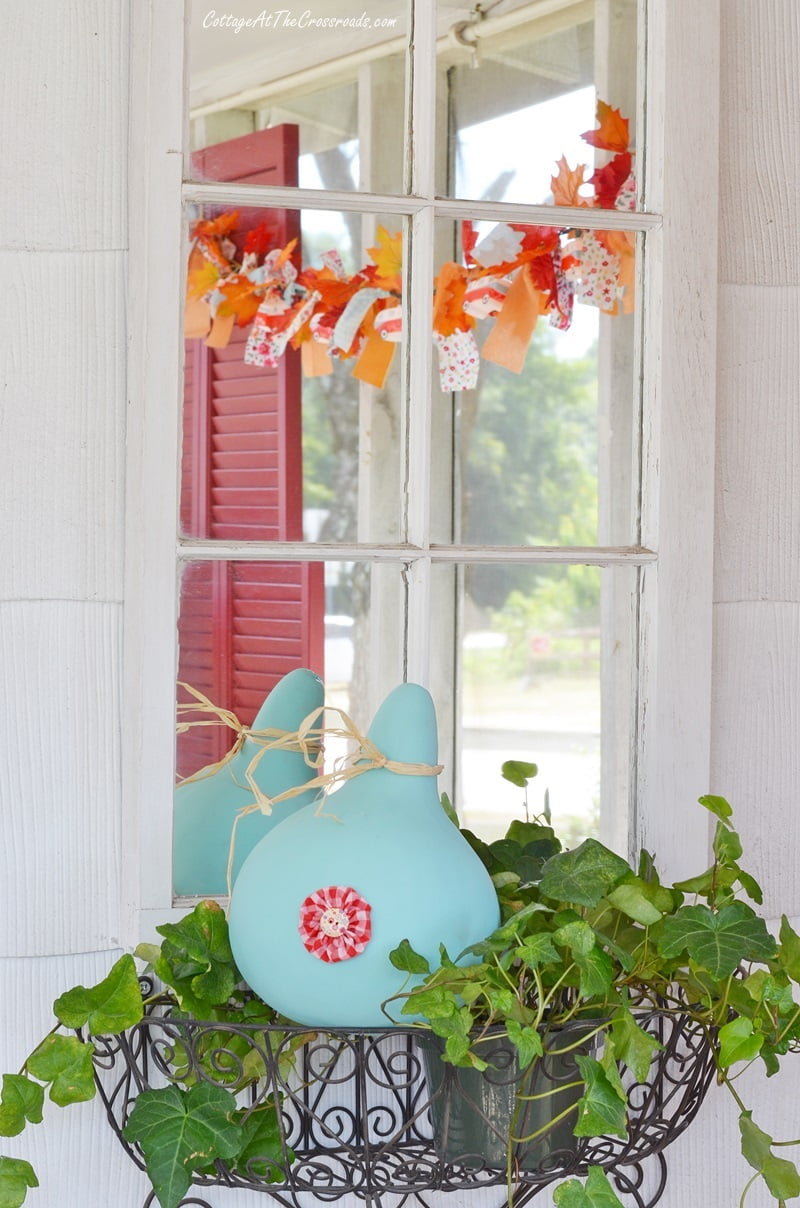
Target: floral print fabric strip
point(335, 923)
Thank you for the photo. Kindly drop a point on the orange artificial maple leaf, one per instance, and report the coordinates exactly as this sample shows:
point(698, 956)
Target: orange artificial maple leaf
point(285, 253)
point(537, 239)
point(257, 240)
point(613, 133)
point(334, 292)
point(217, 227)
point(469, 237)
point(202, 280)
point(388, 258)
point(609, 180)
point(240, 299)
point(448, 302)
point(566, 184)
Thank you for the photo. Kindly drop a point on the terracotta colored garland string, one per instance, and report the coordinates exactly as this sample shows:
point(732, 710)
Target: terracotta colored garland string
point(307, 740)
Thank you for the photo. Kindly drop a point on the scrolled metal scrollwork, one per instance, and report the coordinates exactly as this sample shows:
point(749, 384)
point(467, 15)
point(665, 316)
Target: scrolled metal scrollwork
point(357, 1113)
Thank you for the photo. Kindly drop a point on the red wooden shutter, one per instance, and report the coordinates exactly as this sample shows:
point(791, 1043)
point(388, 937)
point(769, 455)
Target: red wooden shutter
point(244, 625)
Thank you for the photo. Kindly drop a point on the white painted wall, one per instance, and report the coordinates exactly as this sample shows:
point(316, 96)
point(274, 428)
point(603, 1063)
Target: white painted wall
point(63, 126)
point(756, 671)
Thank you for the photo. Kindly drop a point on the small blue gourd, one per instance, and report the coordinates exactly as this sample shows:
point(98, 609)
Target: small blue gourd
point(322, 900)
point(205, 809)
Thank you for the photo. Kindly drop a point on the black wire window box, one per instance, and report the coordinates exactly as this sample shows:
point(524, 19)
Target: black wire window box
point(358, 1113)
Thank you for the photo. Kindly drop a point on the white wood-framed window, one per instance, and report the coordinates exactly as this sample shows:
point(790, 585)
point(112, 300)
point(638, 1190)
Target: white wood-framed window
point(669, 547)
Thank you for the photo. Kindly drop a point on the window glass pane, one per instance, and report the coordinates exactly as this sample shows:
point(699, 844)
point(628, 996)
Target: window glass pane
point(517, 94)
point(543, 659)
point(292, 415)
point(313, 70)
point(535, 389)
point(244, 625)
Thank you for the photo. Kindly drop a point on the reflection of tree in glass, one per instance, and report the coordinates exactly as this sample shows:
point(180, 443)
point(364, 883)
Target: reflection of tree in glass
point(529, 456)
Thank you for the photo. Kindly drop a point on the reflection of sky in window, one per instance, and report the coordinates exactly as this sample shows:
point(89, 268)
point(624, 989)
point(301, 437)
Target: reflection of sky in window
point(528, 141)
point(316, 223)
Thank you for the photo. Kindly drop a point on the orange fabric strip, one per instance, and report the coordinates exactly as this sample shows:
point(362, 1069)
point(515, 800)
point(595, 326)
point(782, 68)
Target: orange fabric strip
point(373, 364)
point(221, 330)
point(314, 359)
point(196, 319)
point(507, 342)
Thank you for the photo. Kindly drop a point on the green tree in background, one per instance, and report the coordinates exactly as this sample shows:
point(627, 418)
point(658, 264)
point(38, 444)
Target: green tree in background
point(529, 452)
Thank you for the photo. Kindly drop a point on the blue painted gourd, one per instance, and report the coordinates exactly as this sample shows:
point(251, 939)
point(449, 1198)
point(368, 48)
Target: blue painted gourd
point(205, 809)
point(322, 900)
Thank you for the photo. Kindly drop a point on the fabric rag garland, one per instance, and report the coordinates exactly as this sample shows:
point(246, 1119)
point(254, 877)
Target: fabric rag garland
point(511, 277)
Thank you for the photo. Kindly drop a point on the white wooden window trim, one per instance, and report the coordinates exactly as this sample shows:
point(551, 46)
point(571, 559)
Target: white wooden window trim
point(678, 365)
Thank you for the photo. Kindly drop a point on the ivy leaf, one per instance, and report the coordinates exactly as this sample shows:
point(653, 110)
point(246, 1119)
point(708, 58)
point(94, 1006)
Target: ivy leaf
point(789, 951)
point(21, 1101)
point(641, 900)
point(718, 806)
point(583, 875)
point(16, 1176)
point(149, 953)
point(433, 1002)
point(596, 1193)
point(517, 772)
point(525, 862)
point(596, 972)
point(538, 950)
point(180, 1131)
point(404, 957)
point(196, 958)
point(751, 886)
point(529, 833)
point(633, 1045)
point(779, 1174)
point(261, 1152)
point(66, 1062)
point(600, 1109)
point(775, 990)
point(111, 1006)
point(608, 1061)
point(449, 809)
point(576, 935)
point(738, 1042)
point(717, 942)
point(526, 1040)
point(727, 844)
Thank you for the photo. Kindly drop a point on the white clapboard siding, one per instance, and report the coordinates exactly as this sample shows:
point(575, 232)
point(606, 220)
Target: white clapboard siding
point(755, 752)
point(62, 392)
point(760, 144)
point(59, 776)
point(78, 1160)
point(758, 444)
point(63, 126)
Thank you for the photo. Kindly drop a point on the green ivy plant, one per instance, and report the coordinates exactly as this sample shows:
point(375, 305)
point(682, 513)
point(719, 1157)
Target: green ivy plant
point(181, 1128)
point(584, 936)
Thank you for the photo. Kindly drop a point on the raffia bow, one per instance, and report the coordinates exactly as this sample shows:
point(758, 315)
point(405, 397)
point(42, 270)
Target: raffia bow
point(307, 740)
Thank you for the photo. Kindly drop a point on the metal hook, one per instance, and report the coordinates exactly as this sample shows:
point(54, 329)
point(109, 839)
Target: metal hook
point(459, 33)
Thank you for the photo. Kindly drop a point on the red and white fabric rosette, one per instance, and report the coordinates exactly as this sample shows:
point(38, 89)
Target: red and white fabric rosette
point(335, 923)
